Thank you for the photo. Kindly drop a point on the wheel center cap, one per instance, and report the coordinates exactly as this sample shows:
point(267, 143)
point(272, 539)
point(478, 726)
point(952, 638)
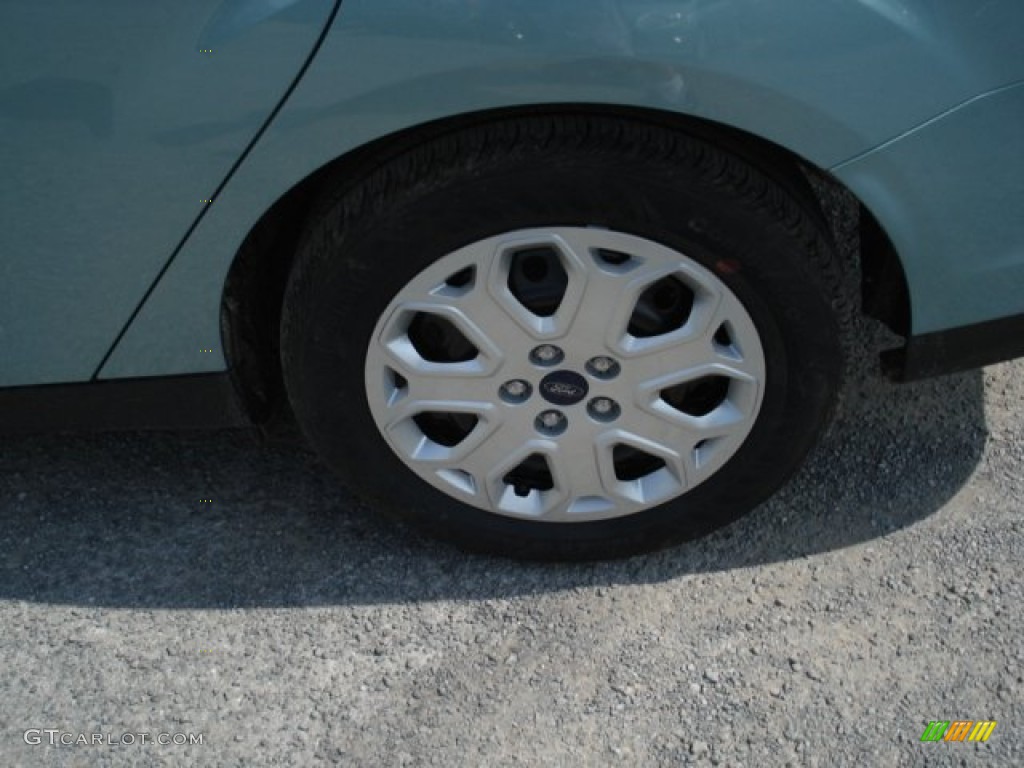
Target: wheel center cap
point(563, 388)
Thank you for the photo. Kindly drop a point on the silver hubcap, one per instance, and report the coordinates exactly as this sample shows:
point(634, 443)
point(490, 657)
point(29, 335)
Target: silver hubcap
point(565, 375)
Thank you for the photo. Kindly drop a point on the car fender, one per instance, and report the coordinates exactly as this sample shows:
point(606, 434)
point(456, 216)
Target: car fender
point(828, 81)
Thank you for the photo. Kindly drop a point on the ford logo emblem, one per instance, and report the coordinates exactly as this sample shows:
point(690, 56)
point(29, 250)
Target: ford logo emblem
point(563, 388)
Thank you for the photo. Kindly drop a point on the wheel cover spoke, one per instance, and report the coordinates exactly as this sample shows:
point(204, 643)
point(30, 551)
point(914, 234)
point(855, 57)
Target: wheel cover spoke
point(682, 396)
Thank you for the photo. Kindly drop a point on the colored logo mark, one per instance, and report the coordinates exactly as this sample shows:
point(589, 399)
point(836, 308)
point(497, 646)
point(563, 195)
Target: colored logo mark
point(958, 730)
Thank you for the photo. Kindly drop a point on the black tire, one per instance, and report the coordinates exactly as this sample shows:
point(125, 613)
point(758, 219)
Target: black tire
point(368, 239)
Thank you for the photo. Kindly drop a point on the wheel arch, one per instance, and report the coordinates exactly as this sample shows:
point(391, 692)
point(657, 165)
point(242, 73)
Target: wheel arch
point(254, 287)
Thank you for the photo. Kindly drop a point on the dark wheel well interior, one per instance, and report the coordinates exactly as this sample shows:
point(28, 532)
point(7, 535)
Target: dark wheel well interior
point(253, 292)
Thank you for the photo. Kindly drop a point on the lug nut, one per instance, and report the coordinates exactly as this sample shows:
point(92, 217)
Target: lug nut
point(515, 391)
point(603, 367)
point(603, 409)
point(516, 388)
point(547, 354)
point(551, 419)
point(551, 423)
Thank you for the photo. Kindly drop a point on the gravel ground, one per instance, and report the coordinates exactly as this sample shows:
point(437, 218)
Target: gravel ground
point(288, 625)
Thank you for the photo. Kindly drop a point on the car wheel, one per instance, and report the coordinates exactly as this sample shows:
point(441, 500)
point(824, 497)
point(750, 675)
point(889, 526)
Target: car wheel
point(563, 338)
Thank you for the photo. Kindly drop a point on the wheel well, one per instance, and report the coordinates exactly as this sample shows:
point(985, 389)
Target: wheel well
point(885, 295)
point(254, 289)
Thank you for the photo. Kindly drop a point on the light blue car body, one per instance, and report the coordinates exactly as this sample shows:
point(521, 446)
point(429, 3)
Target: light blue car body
point(121, 119)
